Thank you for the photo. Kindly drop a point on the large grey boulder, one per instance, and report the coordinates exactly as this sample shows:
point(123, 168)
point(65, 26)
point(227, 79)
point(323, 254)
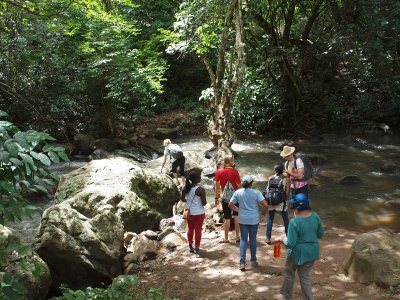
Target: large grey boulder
point(375, 257)
point(141, 248)
point(81, 237)
point(140, 197)
point(80, 251)
point(37, 286)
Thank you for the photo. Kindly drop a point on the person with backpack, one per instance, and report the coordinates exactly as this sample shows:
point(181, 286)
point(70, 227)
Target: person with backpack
point(302, 242)
point(195, 198)
point(249, 200)
point(298, 169)
point(175, 153)
point(227, 181)
point(276, 193)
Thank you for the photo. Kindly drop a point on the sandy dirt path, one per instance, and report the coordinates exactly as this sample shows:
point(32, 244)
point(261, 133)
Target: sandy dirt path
point(215, 274)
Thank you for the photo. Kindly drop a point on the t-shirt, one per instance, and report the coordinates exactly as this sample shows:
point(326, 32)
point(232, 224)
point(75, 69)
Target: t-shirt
point(249, 200)
point(171, 149)
point(193, 202)
point(299, 165)
point(302, 238)
point(225, 174)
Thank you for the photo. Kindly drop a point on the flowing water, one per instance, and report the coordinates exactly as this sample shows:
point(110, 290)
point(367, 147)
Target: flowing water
point(358, 207)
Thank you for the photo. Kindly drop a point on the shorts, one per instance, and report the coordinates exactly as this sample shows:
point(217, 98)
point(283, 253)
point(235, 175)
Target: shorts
point(227, 211)
point(303, 190)
point(179, 163)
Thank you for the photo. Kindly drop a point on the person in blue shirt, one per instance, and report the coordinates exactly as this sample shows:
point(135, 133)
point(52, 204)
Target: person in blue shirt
point(303, 246)
point(249, 201)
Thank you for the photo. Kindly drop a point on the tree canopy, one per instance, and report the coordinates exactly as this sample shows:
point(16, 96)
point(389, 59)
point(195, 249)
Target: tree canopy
point(74, 65)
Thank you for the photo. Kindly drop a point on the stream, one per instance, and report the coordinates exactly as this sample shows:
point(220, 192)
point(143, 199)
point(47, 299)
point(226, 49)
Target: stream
point(359, 207)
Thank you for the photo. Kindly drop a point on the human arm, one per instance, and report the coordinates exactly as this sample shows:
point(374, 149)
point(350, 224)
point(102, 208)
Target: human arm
point(320, 230)
point(232, 203)
point(286, 184)
point(233, 207)
point(291, 240)
point(299, 175)
point(183, 195)
point(201, 192)
point(264, 205)
point(264, 209)
point(163, 162)
point(217, 192)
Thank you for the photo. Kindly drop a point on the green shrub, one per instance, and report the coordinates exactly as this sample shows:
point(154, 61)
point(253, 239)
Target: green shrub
point(121, 289)
point(24, 158)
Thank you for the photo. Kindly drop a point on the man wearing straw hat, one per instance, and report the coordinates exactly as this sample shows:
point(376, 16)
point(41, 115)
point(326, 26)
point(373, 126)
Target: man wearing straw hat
point(294, 169)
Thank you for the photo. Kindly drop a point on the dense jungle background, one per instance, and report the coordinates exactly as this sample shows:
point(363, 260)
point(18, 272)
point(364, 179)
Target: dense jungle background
point(105, 75)
point(99, 66)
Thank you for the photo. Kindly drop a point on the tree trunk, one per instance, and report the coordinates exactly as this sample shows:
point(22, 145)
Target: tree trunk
point(225, 82)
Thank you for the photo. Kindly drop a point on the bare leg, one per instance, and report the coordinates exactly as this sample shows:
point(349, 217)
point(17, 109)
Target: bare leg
point(227, 226)
point(176, 179)
point(183, 180)
point(236, 221)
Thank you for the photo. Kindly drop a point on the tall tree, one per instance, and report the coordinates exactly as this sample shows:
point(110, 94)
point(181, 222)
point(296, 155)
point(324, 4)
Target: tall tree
point(213, 30)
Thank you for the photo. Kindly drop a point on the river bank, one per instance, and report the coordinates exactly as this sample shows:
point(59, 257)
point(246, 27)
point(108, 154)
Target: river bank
point(215, 274)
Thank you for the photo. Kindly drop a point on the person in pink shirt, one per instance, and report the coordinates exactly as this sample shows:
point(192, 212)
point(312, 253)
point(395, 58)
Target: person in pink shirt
point(294, 169)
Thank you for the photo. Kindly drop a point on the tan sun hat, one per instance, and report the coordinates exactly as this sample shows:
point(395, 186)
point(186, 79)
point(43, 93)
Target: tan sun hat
point(287, 151)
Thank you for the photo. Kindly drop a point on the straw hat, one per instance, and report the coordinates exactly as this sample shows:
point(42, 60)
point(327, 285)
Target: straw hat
point(287, 151)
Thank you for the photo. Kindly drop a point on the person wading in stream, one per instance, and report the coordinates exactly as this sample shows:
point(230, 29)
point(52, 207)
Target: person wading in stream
point(195, 198)
point(227, 180)
point(294, 169)
point(174, 151)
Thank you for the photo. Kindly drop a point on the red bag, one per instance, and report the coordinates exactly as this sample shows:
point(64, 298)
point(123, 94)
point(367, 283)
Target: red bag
point(186, 214)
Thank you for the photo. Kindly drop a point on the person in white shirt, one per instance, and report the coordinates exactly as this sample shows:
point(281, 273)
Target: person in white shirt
point(195, 198)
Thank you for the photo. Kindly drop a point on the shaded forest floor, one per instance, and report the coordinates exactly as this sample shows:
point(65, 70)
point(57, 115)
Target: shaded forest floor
point(214, 274)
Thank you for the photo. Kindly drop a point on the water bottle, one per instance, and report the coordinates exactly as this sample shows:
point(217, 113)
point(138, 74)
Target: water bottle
point(277, 250)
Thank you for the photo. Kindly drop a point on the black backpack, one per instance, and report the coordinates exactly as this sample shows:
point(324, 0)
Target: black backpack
point(275, 192)
point(308, 168)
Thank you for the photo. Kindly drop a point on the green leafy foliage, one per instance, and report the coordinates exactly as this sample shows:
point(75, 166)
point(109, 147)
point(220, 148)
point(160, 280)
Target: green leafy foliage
point(24, 158)
point(120, 289)
point(11, 286)
point(84, 65)
point(81, 65)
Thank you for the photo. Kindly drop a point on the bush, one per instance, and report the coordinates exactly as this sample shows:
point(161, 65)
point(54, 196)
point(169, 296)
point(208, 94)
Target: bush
point(120, 289)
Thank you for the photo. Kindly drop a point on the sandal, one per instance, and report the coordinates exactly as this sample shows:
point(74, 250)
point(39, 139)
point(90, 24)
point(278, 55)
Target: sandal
point(224, 241)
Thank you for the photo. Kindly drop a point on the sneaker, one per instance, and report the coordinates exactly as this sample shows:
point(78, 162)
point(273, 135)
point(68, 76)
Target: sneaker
point(242, 267)
point(197, 251)
point(191, 249)
point(254, 264)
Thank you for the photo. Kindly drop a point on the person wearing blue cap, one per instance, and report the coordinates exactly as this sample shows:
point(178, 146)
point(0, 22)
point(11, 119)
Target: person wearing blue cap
point(304, 231)
point(249, 200)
